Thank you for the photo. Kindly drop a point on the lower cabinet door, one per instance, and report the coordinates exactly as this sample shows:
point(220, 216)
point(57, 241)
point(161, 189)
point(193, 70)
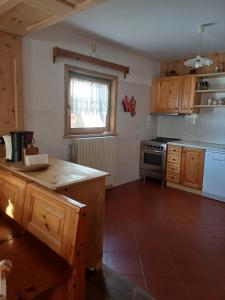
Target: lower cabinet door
point(192, 167)
point(12, 194)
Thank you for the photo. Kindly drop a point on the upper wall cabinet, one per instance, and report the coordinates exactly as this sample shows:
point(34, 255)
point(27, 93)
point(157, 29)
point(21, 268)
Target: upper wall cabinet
point(173, 95)
point(11, 112)
point(165, 95)
point(187, 93)
point(21, 17)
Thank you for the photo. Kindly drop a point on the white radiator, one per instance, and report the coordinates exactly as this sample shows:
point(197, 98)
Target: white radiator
point(97, 152)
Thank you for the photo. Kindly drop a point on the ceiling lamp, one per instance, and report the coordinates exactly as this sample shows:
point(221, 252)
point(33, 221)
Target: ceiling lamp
point(199, 61)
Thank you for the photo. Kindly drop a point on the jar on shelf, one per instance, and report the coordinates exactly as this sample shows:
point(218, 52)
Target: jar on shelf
point(215, 102)
point(220, 101)
point(210, 101)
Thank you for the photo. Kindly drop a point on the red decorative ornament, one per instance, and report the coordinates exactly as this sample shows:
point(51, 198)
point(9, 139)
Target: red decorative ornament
point(129, 105)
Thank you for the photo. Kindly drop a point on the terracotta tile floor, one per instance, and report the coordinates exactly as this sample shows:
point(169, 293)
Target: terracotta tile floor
point(169, 242)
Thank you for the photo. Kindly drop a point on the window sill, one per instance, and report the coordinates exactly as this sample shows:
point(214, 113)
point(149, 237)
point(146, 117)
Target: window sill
point(90, 135)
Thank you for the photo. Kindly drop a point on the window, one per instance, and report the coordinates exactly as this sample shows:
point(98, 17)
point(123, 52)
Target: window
point(90, 102)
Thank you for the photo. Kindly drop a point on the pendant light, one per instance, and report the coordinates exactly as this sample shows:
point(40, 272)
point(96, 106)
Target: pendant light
point(199, 61)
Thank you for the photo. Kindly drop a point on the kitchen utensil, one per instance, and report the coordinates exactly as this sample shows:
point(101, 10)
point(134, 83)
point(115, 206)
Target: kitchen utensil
point(220, 101)
point(20, 139)
point(8, 147)
point(28, 138)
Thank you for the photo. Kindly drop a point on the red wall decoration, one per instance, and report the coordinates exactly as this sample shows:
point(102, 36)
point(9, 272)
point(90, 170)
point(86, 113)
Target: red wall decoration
point(129, 105)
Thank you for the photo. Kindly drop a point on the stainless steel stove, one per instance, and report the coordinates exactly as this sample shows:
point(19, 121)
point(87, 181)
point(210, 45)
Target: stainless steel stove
point(153, 157)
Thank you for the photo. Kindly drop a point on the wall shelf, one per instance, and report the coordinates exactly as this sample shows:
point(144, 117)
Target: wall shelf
point(209, 106)
point(59, 52)
point(211, 75)
point(211, 91)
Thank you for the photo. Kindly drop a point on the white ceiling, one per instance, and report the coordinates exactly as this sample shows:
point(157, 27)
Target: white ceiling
point(160, 29)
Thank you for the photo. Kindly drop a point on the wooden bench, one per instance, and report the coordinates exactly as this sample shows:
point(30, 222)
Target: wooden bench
point(49, 257)
point(77, 182)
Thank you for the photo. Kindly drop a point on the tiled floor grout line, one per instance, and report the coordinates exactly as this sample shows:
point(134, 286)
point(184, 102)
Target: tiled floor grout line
point(139, 257)
point(188, 236)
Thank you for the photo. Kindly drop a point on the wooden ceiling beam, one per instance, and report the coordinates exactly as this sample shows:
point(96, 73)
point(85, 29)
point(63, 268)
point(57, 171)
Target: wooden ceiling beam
point(59, 52)
point(21, 17)
point(67, 3)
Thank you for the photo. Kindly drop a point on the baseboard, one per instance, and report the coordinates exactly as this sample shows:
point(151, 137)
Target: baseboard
point(183, 188)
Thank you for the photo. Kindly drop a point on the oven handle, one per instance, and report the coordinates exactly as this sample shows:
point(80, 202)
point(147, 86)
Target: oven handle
point(152, 151)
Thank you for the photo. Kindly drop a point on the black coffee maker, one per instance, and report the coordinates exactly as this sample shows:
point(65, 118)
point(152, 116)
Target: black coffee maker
point(20, 140)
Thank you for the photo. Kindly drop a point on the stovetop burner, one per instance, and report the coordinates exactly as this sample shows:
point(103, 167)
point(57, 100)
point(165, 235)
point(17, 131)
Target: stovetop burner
point(164, 139)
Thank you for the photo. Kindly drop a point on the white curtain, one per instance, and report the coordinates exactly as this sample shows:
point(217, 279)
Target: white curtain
point(89, 102)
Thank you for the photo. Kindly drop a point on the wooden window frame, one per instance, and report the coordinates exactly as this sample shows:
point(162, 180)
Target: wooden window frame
point(111, 130)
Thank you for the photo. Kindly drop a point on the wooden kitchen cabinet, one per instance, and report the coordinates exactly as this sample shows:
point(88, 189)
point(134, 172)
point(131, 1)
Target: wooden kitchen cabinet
point(173, 95)
point(192, 167)
point(165, 94)
point(187, 93)
point(185, 167)
point(11, 112)
point(173, 163)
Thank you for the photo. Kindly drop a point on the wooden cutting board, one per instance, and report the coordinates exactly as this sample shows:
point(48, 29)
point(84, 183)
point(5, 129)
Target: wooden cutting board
point(20, 166)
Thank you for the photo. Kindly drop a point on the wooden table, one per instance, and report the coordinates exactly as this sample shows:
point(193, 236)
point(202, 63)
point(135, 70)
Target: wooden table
point(81, 183)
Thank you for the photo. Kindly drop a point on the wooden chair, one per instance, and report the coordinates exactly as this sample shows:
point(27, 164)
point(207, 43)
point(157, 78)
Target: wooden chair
point(5, 268)
point(48, 257)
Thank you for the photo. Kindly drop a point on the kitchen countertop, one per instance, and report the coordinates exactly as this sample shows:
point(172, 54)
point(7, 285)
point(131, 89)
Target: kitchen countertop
point(206, 146)
point(60, 174)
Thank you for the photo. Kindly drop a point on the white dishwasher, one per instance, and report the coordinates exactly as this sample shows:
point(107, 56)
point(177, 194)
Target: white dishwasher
point(214, 175)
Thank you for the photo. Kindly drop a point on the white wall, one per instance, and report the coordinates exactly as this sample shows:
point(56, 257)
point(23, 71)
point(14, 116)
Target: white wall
point(44, 95)
point(209, 126)
point(131, 130)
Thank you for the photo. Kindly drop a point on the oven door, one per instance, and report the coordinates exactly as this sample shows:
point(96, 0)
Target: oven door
point(152, 160)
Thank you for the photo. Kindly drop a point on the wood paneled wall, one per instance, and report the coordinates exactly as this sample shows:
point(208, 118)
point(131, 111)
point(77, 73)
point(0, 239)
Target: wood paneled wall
point(179, 67)
point(11, 102)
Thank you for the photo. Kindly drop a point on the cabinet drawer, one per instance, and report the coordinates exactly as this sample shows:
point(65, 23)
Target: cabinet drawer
point(173, 177)
point(174, 158)
point(174, 149)
point(175, 168)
